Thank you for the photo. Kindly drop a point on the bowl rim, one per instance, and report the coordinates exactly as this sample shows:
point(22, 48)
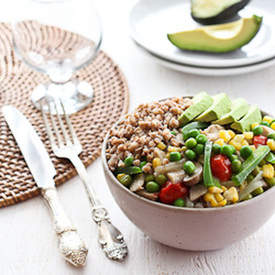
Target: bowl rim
point(168, 206)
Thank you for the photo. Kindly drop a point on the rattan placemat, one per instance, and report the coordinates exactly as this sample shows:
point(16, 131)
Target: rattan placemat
point(16, 84)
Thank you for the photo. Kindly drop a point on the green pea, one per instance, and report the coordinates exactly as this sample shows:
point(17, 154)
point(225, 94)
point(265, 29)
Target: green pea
point(149, 178)
point(271, 182)
point(152, 187)
point(227, 150)
point(161, 179)
point(174, 133)
point(126, 180)
point(179, 202)
point(199, 149)
point(201, 139)
point(236, 166)
point(233, 157)
point(216, 148)
point(190, 154)
point(248, 197)
point(129, 161)
point(175, 156)
point(265, 123)
point(258, 191)
point(246, 151)
point(272, 136)
point(233, 149)
point(189, 167)
point(193, 133)
point(190, 143)
point(143, 163)
point(258, 130)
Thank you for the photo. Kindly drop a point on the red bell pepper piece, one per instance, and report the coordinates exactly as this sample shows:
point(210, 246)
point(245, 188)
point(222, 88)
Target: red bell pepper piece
point(259, 140)
point(172, 191)
point(221, 167)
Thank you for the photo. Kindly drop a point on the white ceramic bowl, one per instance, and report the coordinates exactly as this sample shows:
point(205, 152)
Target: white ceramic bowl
point(191, 228)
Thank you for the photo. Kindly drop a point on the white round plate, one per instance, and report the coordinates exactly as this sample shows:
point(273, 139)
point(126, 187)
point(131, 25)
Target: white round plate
point(151, 20)
point(209, 71)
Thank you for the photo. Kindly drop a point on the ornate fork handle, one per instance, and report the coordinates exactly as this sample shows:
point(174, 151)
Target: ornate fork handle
point(109, 237)
point(71, 246)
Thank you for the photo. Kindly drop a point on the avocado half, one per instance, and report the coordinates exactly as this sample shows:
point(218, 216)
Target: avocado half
point(209, 12)
point(218, 38)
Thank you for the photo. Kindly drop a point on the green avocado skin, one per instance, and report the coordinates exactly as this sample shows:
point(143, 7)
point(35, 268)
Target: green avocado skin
point(228, 13)
point(253, 116)
point(201, 102)
point(204, 47)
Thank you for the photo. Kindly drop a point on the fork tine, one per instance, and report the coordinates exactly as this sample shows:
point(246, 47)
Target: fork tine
point(66, 136)
point(46, 122)
point(68, 121)
point(59, 140)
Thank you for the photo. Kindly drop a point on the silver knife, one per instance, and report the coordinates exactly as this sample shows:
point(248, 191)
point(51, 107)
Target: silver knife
point(70, 244)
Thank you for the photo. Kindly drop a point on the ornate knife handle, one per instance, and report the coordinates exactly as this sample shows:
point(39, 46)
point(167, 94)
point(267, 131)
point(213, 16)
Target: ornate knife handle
point(71, 246)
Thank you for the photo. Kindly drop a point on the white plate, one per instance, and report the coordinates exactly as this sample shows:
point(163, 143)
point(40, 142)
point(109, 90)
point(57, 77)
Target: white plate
point(209, 71)
point(151, 20)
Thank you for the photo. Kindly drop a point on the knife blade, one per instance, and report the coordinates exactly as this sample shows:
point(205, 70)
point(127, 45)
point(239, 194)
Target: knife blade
point(71, 246)
point(31, 146)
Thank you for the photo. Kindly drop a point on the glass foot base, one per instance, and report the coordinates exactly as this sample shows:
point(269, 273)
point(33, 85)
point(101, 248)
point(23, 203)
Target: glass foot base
point(75, 95)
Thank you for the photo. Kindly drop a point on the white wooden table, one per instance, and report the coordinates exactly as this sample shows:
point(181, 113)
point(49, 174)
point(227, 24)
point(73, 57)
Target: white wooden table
point(27, 241)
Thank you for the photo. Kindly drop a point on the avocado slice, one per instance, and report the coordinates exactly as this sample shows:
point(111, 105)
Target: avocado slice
point(218, 38)
point(209, 12)
point(253, 116)
point(239, 109)
point(220, 107)
point(201, 102)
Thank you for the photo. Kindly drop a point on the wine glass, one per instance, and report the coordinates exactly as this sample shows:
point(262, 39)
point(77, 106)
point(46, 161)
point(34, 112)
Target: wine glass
point(58, 37)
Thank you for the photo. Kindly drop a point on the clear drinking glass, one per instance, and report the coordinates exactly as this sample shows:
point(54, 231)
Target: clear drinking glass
point(58, 37)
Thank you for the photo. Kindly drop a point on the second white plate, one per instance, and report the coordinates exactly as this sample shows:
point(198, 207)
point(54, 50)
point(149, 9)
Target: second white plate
point(151, 20)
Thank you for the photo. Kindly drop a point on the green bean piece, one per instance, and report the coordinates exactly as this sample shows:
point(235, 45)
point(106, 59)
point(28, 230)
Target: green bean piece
point(270, 158)
point(265, 123)
point(152, 187)
point(207, 173)
point(271, 136)
point(132, 170)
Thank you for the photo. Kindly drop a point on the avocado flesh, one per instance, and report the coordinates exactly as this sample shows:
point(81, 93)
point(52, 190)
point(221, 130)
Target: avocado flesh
point(239, 109)
point(201, 102)
point(253, 116)
point(209, 12)
point(218, 38)
point(220, 107)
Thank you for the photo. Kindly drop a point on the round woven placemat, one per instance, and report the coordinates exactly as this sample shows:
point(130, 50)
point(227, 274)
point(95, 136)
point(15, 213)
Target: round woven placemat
point(16, 84)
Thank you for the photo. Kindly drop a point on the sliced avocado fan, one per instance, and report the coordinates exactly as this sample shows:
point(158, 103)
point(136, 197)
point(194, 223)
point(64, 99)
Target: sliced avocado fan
point(218, 38)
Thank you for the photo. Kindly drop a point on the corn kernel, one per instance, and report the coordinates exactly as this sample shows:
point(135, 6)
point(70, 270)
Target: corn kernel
point(271, 144)
point(239, 138)
point(237, 145)
point(156, 162)
point(219, 197)
point(161, 146)
point(252, 147)
point(220, 142)
point(223, 188)
point(222, 203)
point(214, 203)
point(231, 194)
point(268, 119)
point(248, 135)
point(245, 142)
point(268, 171)
point(214, 190)
point(208, 197)
point(120, 176)
point(173, 149)
point(253, 125)
point(272, 125)
point(231, 133)
point(224, 135)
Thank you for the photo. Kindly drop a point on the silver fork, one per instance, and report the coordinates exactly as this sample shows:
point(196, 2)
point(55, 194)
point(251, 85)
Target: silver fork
point(109, 237)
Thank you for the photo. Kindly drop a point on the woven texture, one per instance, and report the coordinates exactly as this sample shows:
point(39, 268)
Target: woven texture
point(16, 84)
